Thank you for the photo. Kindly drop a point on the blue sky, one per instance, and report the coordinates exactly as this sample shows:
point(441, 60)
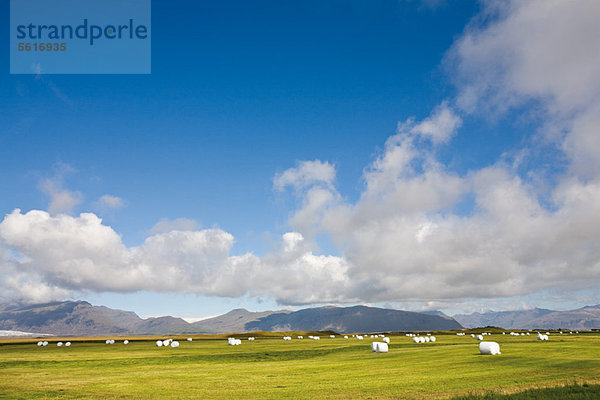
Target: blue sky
point(270, 137)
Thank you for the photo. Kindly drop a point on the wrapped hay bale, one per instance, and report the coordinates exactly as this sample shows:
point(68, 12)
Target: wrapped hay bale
point(489, 348)
point(379, 347)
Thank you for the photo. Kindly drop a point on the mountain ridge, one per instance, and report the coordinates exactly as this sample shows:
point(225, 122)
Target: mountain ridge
point(80, 318)
point(584, 318)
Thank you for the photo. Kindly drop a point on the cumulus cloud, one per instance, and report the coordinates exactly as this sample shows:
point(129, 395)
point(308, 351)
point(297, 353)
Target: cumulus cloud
point(110, 202)
point(541, 52)
point(61, 200)
point(307, 173)
point(440, 126)
point(60, 255)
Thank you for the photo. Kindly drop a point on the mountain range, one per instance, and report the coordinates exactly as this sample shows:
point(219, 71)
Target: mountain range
point(585, 318)
point(80, 318)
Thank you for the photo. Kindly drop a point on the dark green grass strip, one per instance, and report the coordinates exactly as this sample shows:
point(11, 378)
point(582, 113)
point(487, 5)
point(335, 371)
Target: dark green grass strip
point(569, 392)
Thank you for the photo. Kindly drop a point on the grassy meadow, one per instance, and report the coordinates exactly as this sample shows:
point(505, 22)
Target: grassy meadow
point(271, 368)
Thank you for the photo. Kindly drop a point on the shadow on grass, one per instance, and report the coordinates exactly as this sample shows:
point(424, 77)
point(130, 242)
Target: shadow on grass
point(568, 392)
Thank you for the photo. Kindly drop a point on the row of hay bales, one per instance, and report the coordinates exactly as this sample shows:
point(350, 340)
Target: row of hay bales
point(167, 343)
point(59, 344)
point(423, 339)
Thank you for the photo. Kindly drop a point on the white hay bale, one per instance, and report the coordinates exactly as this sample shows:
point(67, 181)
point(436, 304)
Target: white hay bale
point(107, 341)
point(59, 344)
point(251, 338)
point(166, 343)
point(189, 339)
point(473, 335)
point(359, 337)
point(416, 340)
point(125, 341)
point(345, 337)
point(504, 333)
point(489, 348)
point(332, 336)
point(300, 337)
point(287, 338)
point(316, 338)
point(385, 340)
point(426, 339)
point(45, 343)
point(432, 339)
point(479, 337)
point(174, 344)
point(68, 344)
point(159, 343)
point(379, 347)
point(40, 344)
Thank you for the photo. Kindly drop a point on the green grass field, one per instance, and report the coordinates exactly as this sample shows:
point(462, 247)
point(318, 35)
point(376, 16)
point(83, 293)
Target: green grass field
point(271, 368)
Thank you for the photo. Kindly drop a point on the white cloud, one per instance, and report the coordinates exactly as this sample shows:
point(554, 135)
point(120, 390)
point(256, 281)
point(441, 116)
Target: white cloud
point(305, 174)
point(111, 202)
point(61, 200)
point(440, 126)
point(542, 51)
point(63, 254)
